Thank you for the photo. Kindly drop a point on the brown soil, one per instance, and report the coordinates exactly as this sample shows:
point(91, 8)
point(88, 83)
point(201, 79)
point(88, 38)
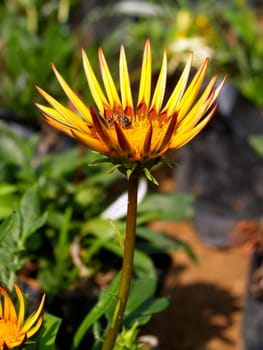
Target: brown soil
point(206, 300)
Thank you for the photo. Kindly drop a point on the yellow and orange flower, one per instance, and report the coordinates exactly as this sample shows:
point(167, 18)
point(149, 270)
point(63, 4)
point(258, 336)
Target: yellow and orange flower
point(135, 135)
point(14, 329)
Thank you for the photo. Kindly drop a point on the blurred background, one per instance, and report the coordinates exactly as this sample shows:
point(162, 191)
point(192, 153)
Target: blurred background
point(221, 170)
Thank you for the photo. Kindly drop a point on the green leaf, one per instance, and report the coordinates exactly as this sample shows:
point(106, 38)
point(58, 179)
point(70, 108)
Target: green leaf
point(107, 299)
point(142, 314)
point(6, 226)
point(150, 177)
point(157, 242)
point(48, 333)
point(141, 289)
point(30, 211)
point(7, 204)
point(142, 263)
point(256, 143)
point(166, 206)
point(6, 189)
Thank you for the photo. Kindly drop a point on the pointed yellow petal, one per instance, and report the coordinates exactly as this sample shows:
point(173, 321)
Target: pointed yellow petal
point(122, 140)
point(33, 330)
point(110, 87)
point(125, 85)
point(166, 135)
point(146, 76)
point(9, 308)
point(58, 125)
point(180, 139)
point(148, 140)
point(54, 114)
point(104, 134)
point(66, 114)
point(179, 88)
point(90, 142)
point(203, 104)
point(34, 317)
point(79, 105)
point(199, 108)
point(21, 310)
point(192, 91)
point(158, 95)
point(94, 86)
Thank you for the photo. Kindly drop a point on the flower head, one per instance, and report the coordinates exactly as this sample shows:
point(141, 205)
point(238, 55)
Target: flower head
point(137, 135)
point(14, 329)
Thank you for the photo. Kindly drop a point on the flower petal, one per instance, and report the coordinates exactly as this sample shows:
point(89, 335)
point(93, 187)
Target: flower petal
point(104, 133)
point(94, 86)
point(180, 139)
point(158, 95)
point(166, 135)
point(76, 101)
point(72, 123)
point(192, 91)
point(21, 309)
point(148, 140)
point(9, 308)
point(32, 319)
point(110, 87)
point(122, 140)
point(94, 144)
point(146, 76)
point(60, 112)
point(125, 85)
point(179, 88)
point(33, 330)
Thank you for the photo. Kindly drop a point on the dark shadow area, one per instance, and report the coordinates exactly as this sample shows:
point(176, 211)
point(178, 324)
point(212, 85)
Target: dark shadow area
point(198, 313)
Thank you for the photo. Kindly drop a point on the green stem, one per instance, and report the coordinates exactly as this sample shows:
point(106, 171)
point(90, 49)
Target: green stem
point(127, 266)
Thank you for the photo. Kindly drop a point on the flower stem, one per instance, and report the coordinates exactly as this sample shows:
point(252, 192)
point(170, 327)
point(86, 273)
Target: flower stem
point(127, 266)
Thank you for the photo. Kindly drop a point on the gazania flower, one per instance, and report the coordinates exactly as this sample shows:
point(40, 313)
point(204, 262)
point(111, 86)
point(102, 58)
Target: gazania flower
point(14, 329)
point(135, 135)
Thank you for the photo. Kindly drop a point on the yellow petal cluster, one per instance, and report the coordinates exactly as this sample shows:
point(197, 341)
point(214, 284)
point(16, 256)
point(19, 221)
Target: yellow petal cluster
point(135, 134)
point(15, 330)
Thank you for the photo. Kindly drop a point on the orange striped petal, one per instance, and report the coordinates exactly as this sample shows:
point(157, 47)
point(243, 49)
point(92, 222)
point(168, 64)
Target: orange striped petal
point(179, 140)
point(202, 105)
point(58, 125)
point(148, 140)
point(21, 312)
point(32, 319)
point(146, 76)
point(168, 132)
point(110, 87)
point(76, 101)
point(122, 140)
point(60, 112)
point(54, 114)
point(103, 133)
point(94, 144)
point(125, 86)
point(95, 89)
point(179, 88)
point(192, 91)
point(158, 95)
point(9, 308)
point(199, 108)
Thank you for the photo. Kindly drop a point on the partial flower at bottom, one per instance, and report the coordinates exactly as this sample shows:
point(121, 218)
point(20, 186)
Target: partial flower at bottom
point(135, 135)
point(15, 330)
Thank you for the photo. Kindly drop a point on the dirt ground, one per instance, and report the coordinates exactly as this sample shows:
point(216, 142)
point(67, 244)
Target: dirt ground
point(206, 300)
